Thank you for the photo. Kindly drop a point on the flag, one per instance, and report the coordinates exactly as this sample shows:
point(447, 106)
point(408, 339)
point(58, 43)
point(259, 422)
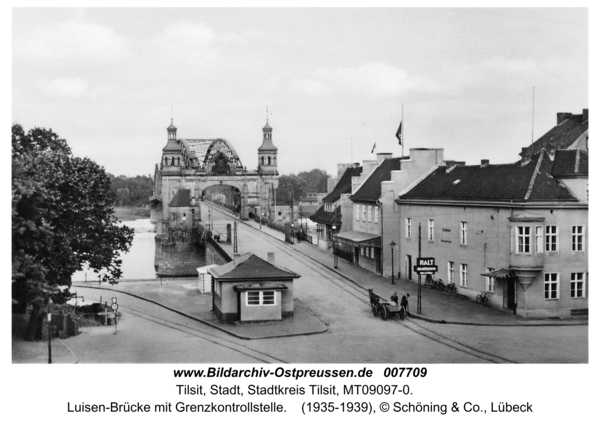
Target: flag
point(373, 149)
point(399, 134)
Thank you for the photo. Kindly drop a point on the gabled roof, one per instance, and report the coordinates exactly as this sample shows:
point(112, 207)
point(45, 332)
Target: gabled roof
point(561, 137)
point(506, 182)
point(181, 199)
point(370, 190)
point(249, 266)
point(344, 185)
point(571, 163)
point(327, 218)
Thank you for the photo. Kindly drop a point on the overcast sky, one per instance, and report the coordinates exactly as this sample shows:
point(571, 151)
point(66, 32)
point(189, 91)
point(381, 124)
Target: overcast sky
point(106, 79)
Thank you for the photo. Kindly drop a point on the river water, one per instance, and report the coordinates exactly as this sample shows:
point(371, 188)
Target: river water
point(138, 263)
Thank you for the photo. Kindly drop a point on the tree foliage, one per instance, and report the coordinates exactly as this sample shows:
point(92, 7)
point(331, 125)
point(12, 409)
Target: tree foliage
point(62, 218)
point(300, 185)
point(131, 191)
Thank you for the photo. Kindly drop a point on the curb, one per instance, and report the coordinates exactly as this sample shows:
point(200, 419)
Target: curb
point(437, 321)
point(181, 313)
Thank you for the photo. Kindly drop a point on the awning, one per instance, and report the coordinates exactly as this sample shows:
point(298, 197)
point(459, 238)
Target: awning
point(361, 238)
point(500, 274)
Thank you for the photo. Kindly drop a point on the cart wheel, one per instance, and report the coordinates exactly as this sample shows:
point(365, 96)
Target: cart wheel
point(402, 313)
point(478, 298)
point(374, 310)
point(484, 301)
point(384, 313)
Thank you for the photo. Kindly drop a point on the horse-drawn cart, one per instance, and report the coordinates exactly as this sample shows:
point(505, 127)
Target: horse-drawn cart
point(383, 308)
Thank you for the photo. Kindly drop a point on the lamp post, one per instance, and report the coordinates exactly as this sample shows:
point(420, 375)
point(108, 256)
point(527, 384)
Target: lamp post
point(392, 244)
point(293, 234)
point(334, 245)
point(261, 219)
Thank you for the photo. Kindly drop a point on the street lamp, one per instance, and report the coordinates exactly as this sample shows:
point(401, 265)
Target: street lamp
point(334, 245)
point(392, 244)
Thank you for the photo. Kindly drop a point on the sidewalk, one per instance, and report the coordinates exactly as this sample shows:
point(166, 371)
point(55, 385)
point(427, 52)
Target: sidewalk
point(436, 306)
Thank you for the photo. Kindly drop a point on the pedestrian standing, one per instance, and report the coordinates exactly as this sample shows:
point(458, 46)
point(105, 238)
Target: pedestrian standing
point(404, 302)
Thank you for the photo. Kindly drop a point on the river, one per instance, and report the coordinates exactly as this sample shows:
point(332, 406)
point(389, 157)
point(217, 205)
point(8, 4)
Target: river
point(138, 263)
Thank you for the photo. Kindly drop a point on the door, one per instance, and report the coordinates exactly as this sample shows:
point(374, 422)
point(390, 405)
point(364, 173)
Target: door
point(409, 270)
point(356, 254)
point(511, 291)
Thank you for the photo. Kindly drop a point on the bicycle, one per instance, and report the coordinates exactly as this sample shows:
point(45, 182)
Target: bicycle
point(451, 288)
point(482, 298)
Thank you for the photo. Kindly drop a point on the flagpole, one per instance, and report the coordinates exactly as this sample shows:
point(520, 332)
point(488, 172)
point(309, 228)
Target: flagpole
point(402, 130)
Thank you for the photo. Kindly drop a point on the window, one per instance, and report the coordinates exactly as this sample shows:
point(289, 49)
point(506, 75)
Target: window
point(450, 272)
point(577, 238)
point(490, 281)
point(258, 298)
point(523, 240)
point(463, 233)
point(409, 227)
point(577, 286)
point(463, 274)
point(551, 239)
point(357, 207)
point(370, 214)
point(376, 214)
point(430, 230)
point(551, 286)
point(539, 239)
point(364, 213)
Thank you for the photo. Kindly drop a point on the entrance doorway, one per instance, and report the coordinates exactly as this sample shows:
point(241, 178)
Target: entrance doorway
point(409, 267)
point(511, 294)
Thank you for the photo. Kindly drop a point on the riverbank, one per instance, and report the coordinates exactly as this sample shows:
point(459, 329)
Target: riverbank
point(126, 214)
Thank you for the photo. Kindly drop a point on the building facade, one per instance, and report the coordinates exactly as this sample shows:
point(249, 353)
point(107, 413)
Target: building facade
point(516, 232)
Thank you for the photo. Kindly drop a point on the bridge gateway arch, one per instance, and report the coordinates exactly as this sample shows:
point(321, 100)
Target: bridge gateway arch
point(195, 170)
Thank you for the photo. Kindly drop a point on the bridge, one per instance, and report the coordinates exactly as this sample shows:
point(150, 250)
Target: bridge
point(196, 170)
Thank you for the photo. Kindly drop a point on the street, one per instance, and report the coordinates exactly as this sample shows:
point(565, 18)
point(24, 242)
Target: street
point(150, 334)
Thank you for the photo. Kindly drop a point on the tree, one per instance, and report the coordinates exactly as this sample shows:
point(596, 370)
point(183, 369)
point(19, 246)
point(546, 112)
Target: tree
point(315, 180)
point(62, 218)
point(290, 187)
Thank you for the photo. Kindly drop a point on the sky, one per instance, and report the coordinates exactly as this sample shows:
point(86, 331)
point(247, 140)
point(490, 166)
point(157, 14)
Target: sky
point(336, 81)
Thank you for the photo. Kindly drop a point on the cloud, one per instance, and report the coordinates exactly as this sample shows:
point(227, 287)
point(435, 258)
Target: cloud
point(71, 88)
point(189, 33)
point(185, 42)
point(377, 79)
point(310, 86)
point(71, 41)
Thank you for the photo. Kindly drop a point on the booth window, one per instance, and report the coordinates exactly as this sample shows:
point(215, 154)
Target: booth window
point(258, 298)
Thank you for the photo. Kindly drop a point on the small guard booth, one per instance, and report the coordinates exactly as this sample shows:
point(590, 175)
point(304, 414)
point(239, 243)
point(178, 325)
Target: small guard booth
point(250, 289)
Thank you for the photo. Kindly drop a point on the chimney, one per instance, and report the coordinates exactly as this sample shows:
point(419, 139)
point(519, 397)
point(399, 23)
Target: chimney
point(485, 162)
point(450, 163)
point(460, 163)
point(585, 117)
point(271, 258)
point(236, 258)
point(561, 117)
